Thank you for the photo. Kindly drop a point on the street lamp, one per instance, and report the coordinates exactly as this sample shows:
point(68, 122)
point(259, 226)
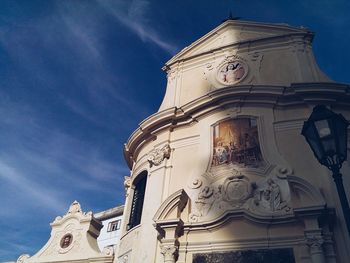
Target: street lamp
point(326, 133)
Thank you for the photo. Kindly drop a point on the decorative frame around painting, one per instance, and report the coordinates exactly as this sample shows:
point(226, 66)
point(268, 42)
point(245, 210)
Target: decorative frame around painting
point(232, 72)
point(235, 142)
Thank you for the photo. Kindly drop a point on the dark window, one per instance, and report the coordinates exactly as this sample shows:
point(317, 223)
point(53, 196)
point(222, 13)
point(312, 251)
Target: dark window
point(113, 226)
point(137, 201)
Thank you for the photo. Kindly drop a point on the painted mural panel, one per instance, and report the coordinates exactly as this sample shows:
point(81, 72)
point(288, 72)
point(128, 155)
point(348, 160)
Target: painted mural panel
point(236, 141)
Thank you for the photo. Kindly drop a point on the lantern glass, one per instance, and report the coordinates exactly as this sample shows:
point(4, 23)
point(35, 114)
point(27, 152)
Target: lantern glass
point(326, 133)
point(341, 130)
point(322, 128)
point(312, 138)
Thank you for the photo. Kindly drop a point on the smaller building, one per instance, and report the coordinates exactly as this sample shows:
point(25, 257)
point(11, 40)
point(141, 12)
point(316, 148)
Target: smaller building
point(111, 220)
point(81, 237)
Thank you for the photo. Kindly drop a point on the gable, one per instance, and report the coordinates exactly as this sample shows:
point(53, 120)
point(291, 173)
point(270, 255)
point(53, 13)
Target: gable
point(233, 32)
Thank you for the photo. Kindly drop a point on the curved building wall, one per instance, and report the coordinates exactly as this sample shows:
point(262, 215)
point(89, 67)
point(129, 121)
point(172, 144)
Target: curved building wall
point(228, 172)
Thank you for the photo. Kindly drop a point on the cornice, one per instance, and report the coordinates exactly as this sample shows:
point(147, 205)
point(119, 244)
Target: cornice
point(296, 94)
point(288, 31)
point(259, 219)
point(251, 44)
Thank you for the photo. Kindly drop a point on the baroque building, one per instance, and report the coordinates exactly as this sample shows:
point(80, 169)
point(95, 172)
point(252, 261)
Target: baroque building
point(221, 173)
point(80, 237)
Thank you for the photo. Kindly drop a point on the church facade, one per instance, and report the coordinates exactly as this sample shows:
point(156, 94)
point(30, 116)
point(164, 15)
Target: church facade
point(221, 173)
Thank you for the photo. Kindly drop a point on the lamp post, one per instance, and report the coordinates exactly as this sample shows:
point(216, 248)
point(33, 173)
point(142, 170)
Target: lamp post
point(326, 133)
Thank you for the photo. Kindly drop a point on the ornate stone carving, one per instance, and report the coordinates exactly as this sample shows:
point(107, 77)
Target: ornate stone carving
point(232, 71)
point(229, 71)
point(74, 208)
point(22, 258)
point(282, 172)
point(123, 259)
point(205, 193)
point(196, 183)
point(204, 202)
point(74, 245)
point(267, 197)
point(235, 189)
point(315, 243)
point(157, 156)
point(209, 66)
point(108, 251)
point(170, 253)
point(127, 184)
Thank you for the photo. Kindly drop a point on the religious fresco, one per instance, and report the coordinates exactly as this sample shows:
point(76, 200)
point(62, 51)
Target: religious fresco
point(236, 142)
point(232, 72)
point(66, 241)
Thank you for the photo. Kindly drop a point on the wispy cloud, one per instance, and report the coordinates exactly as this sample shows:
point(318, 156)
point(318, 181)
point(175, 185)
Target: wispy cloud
point(43, 168)
point(39, 194)
point(135, 18)
point(72, 40)
point(47, 166)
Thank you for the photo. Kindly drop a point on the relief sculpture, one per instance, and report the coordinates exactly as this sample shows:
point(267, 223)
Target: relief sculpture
point(157, 156)
point(269, 198)
point(265, 197)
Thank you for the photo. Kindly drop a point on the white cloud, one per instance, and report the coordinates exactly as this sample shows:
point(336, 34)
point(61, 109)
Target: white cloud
point(135, 18)
point(48, 167)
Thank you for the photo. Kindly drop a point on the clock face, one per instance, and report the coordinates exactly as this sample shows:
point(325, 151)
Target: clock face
point(232, 72)
point(66, 240)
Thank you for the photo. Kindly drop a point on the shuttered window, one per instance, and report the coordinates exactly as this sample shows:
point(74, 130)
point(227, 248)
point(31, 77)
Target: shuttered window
point(137, 201)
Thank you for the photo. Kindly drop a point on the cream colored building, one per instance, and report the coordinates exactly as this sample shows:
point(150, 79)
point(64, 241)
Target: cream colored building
point(80, 237)
point(221, 173)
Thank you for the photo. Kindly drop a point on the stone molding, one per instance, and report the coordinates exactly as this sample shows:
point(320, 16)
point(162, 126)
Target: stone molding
point(275, 96)
point(169, 224)
point(175, 202)
point(289, 125)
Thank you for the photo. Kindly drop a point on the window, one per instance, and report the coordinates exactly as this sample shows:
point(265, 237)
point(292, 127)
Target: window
point(137, 201)
point(113, 226)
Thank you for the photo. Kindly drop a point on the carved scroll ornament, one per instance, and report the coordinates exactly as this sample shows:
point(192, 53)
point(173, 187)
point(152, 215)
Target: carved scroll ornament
point(157, 156)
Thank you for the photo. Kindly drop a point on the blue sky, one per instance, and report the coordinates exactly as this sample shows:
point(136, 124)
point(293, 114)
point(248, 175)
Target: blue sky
point(76, 77)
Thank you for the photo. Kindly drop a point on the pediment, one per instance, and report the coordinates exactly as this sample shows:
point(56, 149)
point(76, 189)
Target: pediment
point(234, 32)
point(172, 207)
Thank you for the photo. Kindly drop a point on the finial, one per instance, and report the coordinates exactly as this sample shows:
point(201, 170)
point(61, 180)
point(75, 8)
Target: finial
point(231, 17)
point(74, 208)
